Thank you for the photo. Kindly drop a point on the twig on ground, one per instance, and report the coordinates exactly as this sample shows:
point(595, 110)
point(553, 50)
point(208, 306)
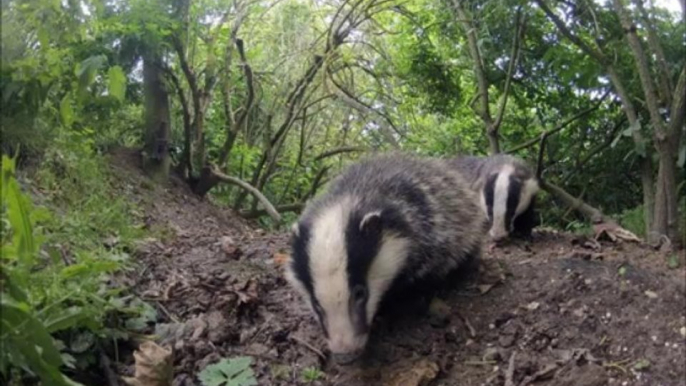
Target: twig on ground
point(618, 365)
point(472, 331)
point(509, 381)
point(309, 346)
point(166, 312)
point(480, 363)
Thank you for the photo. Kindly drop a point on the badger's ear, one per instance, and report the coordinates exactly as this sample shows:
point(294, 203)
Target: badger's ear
point(371, 223)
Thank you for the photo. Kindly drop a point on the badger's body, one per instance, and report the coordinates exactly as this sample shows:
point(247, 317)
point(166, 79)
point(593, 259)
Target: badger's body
point(387, 223)
point(507, 188)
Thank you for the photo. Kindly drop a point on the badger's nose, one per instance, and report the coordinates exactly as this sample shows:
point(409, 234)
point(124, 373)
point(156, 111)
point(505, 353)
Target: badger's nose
point(346, 358)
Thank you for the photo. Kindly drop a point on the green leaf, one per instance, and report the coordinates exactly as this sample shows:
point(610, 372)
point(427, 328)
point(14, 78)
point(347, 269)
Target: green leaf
point(64, 319)
point(642, 364)
point(117, 85)
point(229, 372)
point(681, 162)
point(66, 111)
point(87, 70)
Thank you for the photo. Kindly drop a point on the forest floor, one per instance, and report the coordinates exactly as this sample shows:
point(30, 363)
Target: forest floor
point(561, 310)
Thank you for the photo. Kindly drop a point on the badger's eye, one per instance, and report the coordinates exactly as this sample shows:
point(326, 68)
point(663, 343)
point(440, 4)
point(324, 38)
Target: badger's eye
point(359, 293)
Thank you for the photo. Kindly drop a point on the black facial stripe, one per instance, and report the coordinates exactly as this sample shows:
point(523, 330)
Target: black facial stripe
point(514, 191)
point(300, 264)
point(489, 192)
point(362, 245)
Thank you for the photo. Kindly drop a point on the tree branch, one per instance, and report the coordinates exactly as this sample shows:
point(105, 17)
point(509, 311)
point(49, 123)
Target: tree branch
point(593, 214)
point(559, 127)
point(333, 152)
point(514, 57)
point(268, 207)
point(643, 70)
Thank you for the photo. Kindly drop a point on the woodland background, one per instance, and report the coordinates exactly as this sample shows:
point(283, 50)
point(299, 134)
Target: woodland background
point(257, 104)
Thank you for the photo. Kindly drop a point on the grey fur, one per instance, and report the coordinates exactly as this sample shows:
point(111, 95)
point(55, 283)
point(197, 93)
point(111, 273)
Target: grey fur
point(443, 234)
point(476, 169)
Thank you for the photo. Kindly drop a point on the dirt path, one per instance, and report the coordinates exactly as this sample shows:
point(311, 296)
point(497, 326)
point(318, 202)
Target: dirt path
point(557, 311)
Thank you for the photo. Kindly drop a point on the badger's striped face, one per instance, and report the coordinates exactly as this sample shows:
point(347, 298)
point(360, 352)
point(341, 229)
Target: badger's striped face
point(505, 196)
point(343, 262)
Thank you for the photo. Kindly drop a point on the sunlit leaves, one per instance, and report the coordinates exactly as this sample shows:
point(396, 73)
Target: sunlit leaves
point(117, 82)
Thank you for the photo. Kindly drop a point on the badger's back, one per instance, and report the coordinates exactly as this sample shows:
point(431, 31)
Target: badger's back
point(432, 206)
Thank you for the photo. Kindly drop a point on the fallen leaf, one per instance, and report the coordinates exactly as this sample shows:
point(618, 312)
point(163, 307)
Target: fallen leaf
point(484, 288)
point(613, 232)
point(281, 258)
point(154, 366)
point(417, 374)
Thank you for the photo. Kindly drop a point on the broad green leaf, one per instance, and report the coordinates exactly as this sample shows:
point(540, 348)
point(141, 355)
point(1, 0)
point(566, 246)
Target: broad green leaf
point(65, 319)
point(87, 70)
point(229, 372)
point(117, 82)
point(21, 326)
point(66, 111)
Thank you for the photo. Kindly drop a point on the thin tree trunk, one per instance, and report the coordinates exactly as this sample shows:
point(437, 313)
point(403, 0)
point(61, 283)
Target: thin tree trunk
point(157, 160)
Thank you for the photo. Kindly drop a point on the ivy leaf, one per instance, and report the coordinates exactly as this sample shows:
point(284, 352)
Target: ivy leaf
point(66, 111)
point(117, 85)
point(229, 372)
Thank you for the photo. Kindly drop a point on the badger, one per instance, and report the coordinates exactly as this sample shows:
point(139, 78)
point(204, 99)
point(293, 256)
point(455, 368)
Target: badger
point(507, 188)
point(388, 224)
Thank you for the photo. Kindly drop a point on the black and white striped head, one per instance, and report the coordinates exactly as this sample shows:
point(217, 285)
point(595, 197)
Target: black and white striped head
point(345, 257)
point(506, 195)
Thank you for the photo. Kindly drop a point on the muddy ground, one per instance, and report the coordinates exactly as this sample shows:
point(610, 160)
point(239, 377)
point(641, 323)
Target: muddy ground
point(560, 310)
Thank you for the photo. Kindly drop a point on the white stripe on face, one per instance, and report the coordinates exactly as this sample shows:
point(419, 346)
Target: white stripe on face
point(329, 268)
point(499, 229)
point(385, 267)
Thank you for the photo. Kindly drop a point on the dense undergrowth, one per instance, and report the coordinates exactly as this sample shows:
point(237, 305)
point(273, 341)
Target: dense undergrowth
point(64, 233)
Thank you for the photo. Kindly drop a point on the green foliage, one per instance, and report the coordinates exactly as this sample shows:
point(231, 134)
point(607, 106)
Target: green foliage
point(633, 220)
point(25, 337)
point(312, 374)
point(229, 372)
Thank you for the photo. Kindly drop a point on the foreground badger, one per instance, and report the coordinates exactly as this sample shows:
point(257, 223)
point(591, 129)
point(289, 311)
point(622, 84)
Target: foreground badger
point(387, 224)
point(507, 189)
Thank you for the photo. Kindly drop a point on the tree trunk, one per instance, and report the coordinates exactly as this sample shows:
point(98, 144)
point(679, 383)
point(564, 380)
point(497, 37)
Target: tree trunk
point(157, 160)
point(666, 220)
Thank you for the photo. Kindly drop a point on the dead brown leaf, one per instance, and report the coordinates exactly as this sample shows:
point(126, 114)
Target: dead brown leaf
point(417, 374)
point(613, 232)
point(281, 258)
point(154, 366)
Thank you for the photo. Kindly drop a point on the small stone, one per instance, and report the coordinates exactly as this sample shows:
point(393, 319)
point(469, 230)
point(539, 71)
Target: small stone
point(533, 306)
point(651, 294)
point(506, 340)
point(682, 331)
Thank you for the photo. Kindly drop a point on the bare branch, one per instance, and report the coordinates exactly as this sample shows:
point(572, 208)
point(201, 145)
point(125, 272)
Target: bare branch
point(269, 208)
point(665, 88)
point(593, 214)
point(340, 150)
point(514, 57)
point(559, 127)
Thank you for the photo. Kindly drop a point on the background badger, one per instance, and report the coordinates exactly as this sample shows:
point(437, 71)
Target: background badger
point(507, 189)
point(388, 223)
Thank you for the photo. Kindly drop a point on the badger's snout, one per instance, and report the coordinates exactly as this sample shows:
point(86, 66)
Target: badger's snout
point(345, 350)
point(346, 358)
point(498, 235)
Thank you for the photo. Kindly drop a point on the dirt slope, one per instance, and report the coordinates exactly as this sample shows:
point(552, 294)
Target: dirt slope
point(557, 311)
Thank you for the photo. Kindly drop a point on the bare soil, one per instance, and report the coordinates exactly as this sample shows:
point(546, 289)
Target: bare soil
point(559, 310)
